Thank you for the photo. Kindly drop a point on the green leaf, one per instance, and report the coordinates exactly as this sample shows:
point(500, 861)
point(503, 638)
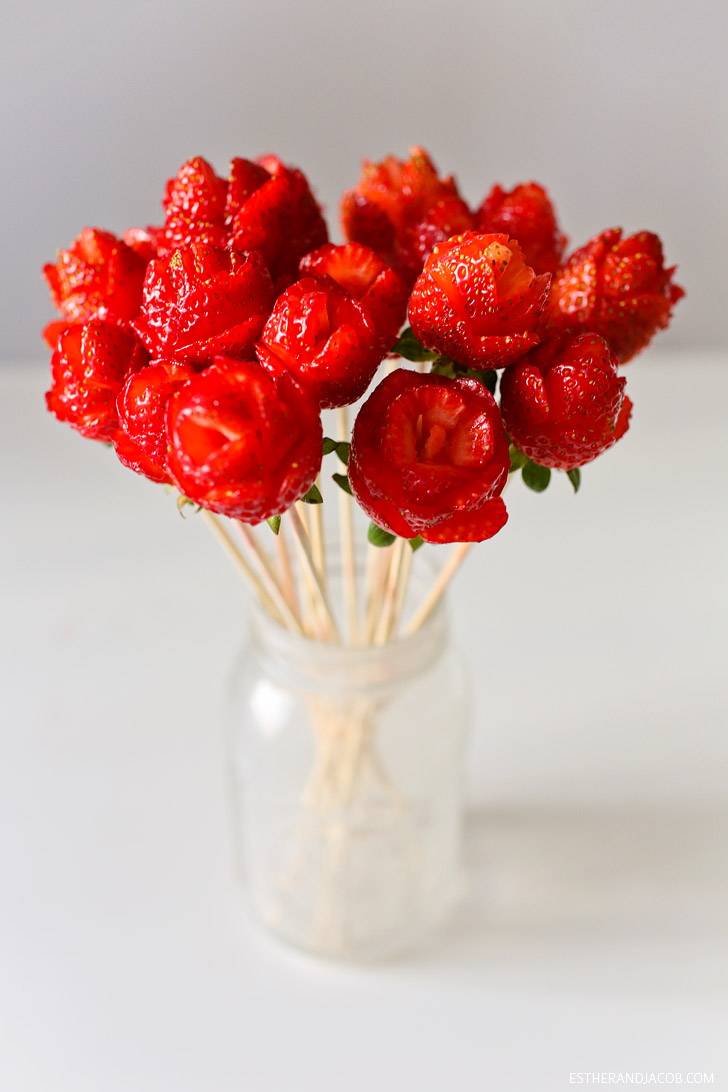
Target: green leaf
point(410, 348)
point(274, 523)
point(313, 496)
point(487, 377)
point(415, 543)
point(536, 477)
point(574, 477)
point(342, 451)
point(378, 536)
point(518, 459)
point(444, 366)
point(342, 480)
point(329, 445)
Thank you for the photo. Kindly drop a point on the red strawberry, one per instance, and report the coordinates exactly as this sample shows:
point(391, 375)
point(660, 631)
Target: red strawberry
point(99, 277)
point(325, 338)
point(194, 205)
point(564, 404)
point(361, 273)
point(618, 288)
point(89, 368)
point(429, 457)
point(527, 215)
point(203, 301)
point(477, 301)
point(243, 442)
point(145, 242)
point(263, 206)
point(141, 442)
point(401, 209)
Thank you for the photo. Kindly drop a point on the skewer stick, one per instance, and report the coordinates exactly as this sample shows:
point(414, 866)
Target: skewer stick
point(288, 580)
point(348, 558)
point(313, 620)
point(270, 578)
point(316, 531)
point(384, 625)
point(377, 567)
point(215, 524)
point(310, 572)
point(451, 566)
point(401, 590)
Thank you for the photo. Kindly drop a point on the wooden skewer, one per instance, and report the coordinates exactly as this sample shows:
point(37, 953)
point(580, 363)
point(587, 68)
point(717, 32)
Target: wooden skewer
point(377, 568)
point(451, 566)
point(401, 589)
point(288, 580)
point(270, 577)
point(384, 625)
point(348, 557)
point(310, 572)
point(215, 524)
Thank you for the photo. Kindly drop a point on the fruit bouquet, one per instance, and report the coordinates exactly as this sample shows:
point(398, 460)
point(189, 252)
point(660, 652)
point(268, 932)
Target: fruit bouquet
point(218, 353)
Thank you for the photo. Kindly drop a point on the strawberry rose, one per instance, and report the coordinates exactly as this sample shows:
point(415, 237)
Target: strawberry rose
point(477, 301)
point(89, 368)
point(243, 442)
point(325, 338)
point(429, 457)
point(363, 274)
point(402, 209)
point(203, 301)
point(262, 205)
point(99, 277)
point(527, 215)
point(141, 441)
point(617, 288)
point(564, 404)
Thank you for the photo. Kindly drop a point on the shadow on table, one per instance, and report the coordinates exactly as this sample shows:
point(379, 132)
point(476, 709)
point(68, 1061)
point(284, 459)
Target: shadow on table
point(638, 897)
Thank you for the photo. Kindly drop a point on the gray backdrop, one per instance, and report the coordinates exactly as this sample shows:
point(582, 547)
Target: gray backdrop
point(620, 108)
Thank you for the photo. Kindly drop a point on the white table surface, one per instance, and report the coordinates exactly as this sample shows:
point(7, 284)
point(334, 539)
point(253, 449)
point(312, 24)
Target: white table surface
point(594, 935)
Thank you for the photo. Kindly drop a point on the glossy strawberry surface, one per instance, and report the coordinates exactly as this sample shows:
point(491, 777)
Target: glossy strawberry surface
point(401, 209)
point(367, 279)
point(616, 287)
point(203, 301)
point(141, 442)
point(429, 457)
point(88, 369)
point(564, 404)
point(263, 205)
point(477, 301)
point(527, 215)
point(99, 276)
point(325, 338)
point(243, 442)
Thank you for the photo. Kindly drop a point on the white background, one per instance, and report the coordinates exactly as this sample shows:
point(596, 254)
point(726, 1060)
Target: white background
point(619, 106)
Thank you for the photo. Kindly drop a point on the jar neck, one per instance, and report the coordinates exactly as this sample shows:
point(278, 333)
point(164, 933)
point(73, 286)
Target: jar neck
point(308, 663)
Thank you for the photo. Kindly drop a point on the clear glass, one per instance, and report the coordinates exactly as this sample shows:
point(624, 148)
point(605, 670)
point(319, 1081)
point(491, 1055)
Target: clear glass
point(348, 767)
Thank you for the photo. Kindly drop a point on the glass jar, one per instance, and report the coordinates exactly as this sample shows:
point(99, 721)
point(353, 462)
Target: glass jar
point(348, 766)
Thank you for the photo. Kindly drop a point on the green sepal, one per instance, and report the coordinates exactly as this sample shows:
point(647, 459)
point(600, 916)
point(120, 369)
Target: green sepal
point(574, 477)
point(313, 496)
point(342, 480)
point(411, 349)
point(341, 447)
point(184, 502)
point(274, 523)
point(536, 477)
point(378, 536)
point(452, 370)
point(415, 543)
point(518, 459)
